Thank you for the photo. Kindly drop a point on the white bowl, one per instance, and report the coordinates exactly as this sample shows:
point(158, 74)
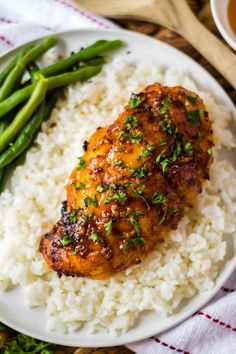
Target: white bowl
point(219, 12)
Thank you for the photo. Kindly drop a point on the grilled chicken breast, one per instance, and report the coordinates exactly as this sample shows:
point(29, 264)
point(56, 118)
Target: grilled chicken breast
point(133, 184)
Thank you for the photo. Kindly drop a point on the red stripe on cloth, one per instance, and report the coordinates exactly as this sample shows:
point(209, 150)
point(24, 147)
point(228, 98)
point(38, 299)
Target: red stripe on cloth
point(172, 347)
point(216, 320)
point(5, 40)
point(5, 20)
point(83, 13)
point(227, 290)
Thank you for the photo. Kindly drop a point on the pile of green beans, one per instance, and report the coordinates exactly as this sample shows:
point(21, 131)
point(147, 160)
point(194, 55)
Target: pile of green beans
point(24, 106)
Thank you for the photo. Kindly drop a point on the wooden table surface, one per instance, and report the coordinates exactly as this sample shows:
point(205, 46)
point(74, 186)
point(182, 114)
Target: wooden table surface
point(202, 9)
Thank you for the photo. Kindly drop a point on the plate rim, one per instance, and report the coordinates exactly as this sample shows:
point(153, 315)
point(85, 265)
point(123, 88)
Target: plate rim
point(118, 340)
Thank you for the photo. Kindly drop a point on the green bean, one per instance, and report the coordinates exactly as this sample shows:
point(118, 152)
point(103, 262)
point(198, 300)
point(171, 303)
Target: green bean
point(58, 69)
point(50, 103)
point(97, 43)
point(10, 168)
point(83, 55)
point(17, 72)
point(99, 60)
point(24, 114)
point(16, 98)
point(3, 172)
point(96, 62)
point(39, 49)
point(72, 77)
point(24, 139)
point(1, 177)
point(53, 82)
point(32, 68)
point(6, 71)
point(3, 124)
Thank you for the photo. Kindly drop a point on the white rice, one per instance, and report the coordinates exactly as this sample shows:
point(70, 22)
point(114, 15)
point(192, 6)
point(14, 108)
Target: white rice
point(185, 264)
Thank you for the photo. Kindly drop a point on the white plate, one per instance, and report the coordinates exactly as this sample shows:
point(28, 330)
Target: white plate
point(32, 321)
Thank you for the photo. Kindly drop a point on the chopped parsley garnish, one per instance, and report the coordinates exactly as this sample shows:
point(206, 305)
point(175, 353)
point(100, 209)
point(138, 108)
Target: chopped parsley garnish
point(194, 116)
point(73, 217)
point(119, 196)
point(90, 201)
point(192, 99)
point(108, 227)
point(158, 198)
point(80, 186)
point(135, 102)
point(135, 138)
point(119, 163)
point(149, 149)
point(168, 127)
point(165, 106)
point(161, 142)
point(100, 189)
point(136, 214)
point(146, 152)
point(139, 194)
point(161, 156)
point(132, 170)
point(95, 237)
point(82, 164)
point(177, 151)
point(173, 210)
point(103, 188)
point(188, 148)
point(130, 122)
point(135, 225)
point(163, 217)
point(140, 172)
point(66, 240)
point(209, 151)
point(136, 241)
point(164, 163)
point(83, 218)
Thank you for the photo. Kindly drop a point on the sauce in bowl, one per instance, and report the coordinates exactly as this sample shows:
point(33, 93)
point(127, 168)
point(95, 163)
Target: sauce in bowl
point(232, 15)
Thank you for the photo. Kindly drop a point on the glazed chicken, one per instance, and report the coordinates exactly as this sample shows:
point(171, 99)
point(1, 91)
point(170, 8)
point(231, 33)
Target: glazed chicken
point(133, 184)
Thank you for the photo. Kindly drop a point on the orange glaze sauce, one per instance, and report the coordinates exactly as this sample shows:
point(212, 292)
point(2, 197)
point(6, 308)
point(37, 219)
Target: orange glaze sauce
point(232, 15)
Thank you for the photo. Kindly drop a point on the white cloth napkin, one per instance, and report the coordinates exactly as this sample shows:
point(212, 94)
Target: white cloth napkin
point(24, 20)
point(212, 330)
